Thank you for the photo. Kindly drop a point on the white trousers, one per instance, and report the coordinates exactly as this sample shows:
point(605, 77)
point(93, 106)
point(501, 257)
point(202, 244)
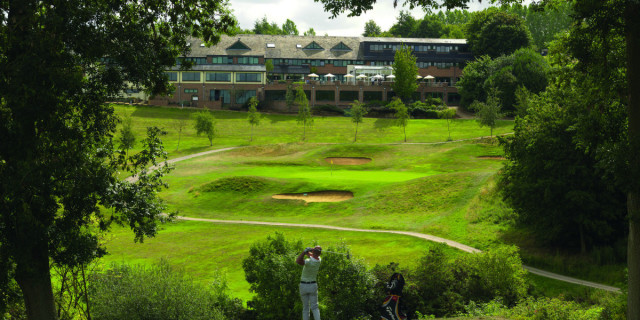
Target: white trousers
point(309, 295)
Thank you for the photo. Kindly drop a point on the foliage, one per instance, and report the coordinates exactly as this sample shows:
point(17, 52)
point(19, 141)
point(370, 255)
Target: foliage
point(304, 111)
point(401, 114)
point(289, 28)
point(426, 110)
point(205, 124)
point(127, 137)
point(158, 292)
point(253, 116)
point(268, 65)
point(371, 29)
point(263, 26)
point(274, 277)
point(553, 182)
point(290, 97)
point(310, 32)
point(488, 113)
point(536, 309)
point(449, 115)
point(524, 68)
point(405, 25)
point(544, 23)
point(405, 69)
point(179, 125)
point(330, 109)
point(495, 33)
point(358, 111)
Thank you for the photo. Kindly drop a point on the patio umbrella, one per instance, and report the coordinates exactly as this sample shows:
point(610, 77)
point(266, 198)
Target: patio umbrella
point(349, 76)
point(418, 77)
point(391, 76)
point(329, 75)
point(313, 75)
point(377, 76)
point(361, 76)
point(429, 77)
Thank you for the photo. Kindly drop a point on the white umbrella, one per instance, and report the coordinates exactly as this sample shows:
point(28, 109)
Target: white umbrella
point(313, 75)
point(377, 76)
point(391, 76)
point(349, 76)
point(418, 77)
point(429, 77)
point(361, 76)
point(329, 75)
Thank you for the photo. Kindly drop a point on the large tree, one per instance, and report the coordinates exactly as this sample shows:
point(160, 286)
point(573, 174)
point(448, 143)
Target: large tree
point(605, 17)
point(59, 62)
point(289, 28)
point(371, 29)
point(406, 70)
point(495, 33)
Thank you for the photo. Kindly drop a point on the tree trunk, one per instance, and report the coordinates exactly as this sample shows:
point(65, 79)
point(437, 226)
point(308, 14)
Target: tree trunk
point(355, 138)
point(632, 22)
point(34, 279)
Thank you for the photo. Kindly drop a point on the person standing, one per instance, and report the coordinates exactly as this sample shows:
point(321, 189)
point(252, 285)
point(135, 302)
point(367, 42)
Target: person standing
point(308, 284)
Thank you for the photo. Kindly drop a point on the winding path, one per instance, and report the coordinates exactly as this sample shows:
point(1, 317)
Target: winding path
point(448, 242)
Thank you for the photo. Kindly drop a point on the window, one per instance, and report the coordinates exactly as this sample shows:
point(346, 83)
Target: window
point(248, 77)
point(317, 63)
point(221, 60)
point(271, 45)
point(238, 45)
point(191, 76)
point(376, 47)
point(195, 60)
point(171, 76)
point(219, 76)
point(313, 46)
point(443, 49)
point(340, 47)
point(242, 96)
point(247, 60)
point(190, 90)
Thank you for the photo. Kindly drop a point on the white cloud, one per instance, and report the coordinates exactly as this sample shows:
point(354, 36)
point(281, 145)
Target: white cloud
point(309, 14)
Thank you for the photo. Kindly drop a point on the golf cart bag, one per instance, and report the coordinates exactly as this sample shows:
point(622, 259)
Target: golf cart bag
point(391, 308)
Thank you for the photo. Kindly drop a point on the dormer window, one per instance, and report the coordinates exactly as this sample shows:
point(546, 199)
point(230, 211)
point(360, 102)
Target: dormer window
point(238, 45)
point(313, 46)
point(341, 47)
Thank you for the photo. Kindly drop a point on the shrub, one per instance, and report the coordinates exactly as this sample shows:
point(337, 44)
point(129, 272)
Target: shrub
point(327, 109)
point(426, 110)
point(157, 292)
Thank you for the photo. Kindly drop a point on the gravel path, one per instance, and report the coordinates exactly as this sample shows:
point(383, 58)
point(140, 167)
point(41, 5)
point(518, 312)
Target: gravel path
point(448, 242)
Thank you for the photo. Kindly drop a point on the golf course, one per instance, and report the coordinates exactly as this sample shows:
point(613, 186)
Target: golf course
point(430, 185)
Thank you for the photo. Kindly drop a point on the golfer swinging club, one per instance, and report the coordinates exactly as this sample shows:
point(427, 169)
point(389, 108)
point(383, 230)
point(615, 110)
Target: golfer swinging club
point(308, 285)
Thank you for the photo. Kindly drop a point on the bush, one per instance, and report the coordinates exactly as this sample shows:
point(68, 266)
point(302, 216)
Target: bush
point(157, 292)
point(329, 109)
point(426, 110)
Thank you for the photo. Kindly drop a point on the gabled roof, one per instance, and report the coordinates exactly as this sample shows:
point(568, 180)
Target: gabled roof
point(313, 46)
point(341, 47)
point(238, 45)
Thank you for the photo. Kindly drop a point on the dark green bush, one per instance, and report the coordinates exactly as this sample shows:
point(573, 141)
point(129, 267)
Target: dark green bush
point(157, 292)
point(426, 110)
point(327, 109)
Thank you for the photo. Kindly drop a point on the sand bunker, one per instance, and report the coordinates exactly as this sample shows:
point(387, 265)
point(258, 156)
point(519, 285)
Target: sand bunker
point(318, 196)
point(347, 161)
point(492, 157)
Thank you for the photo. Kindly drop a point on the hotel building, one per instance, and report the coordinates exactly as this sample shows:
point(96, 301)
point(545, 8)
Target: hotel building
point(347, 68)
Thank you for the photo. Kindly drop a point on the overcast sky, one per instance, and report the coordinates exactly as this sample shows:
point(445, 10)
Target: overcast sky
point(309, 14)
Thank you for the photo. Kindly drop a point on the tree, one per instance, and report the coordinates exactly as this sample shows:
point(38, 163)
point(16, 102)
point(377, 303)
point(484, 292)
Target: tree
point(205, 124)
point(59, 64)
point(253, 115)
point(289, 97)
point(310, 32)
point(405, 69)
point(127, 137)
point(289, 28)
point(179, 125)
point(488, 113)
point(495, 33)
point(371, 29)
point(405, 25)
point(429, 27)
point(304, 111)
point(263, 26)
point(402, 114)
point(447, 114)
point(358, 111)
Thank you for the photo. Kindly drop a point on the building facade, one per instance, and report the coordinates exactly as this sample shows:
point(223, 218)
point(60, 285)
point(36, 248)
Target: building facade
point(347, 68)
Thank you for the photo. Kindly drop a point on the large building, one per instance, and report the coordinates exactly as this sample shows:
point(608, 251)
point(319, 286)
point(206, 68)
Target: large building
point(347, 69)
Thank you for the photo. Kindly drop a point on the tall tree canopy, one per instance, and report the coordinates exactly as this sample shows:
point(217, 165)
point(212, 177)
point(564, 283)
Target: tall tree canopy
point(263, 26)
point(495, 33)
point(59, 62)
point(405, 69)
point(371, 29)
point(289, 28)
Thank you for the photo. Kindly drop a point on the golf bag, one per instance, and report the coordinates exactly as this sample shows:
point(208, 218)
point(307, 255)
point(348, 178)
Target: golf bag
point(391, 308)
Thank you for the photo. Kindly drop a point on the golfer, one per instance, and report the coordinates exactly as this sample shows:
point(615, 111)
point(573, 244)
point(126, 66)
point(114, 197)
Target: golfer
point(308, 284)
